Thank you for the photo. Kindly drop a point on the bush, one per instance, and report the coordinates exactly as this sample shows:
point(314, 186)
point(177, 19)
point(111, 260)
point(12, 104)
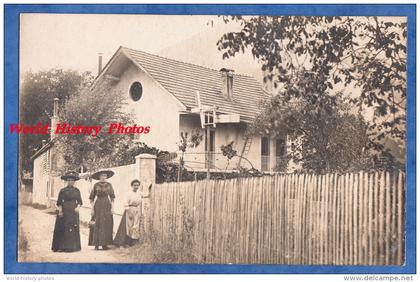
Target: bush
point(172, 246)
point(167, 168)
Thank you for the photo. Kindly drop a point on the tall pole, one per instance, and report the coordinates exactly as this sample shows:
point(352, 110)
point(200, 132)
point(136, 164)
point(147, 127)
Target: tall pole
point(208, 151)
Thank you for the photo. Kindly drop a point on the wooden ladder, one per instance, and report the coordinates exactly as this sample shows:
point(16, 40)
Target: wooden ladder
point(245, 149)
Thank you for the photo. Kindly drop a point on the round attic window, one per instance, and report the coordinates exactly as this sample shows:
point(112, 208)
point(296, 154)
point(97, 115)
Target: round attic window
point(136, 91)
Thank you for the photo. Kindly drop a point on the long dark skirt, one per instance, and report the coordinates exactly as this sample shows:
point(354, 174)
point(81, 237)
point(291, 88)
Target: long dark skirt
point(66, 237)
point(101, 232)
point(122, 238)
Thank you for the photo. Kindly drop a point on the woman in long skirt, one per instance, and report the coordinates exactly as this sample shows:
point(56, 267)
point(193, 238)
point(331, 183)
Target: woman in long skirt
point(66, 237)
point(102, 200)
point(129, 230)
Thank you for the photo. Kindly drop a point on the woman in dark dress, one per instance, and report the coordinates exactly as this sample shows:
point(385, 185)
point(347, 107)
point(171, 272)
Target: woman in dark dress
point(102, 200)
point(66, 237)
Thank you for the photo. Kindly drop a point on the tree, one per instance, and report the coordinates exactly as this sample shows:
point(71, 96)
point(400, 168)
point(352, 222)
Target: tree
point(97, 106)
point(362, 57)
point(36, 103)
point(324, 137)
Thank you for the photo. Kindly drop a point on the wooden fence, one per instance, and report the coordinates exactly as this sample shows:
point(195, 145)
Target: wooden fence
point(350, 219)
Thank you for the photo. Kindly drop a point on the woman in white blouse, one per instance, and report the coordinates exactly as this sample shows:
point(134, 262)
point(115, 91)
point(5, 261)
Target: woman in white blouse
point(129, 230)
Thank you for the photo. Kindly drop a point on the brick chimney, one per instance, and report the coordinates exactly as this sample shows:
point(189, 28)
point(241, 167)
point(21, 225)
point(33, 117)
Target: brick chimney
point(54, 118)
point(227, 83)
point(99, 63)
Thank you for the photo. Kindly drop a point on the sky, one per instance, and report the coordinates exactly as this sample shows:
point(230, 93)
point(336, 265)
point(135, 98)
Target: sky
point(72, 41)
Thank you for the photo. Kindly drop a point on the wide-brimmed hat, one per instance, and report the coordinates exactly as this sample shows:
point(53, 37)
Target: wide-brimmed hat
point(70, 175)
point(109, 173)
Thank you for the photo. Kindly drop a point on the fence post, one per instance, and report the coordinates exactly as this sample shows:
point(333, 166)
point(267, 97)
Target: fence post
point(146, 164)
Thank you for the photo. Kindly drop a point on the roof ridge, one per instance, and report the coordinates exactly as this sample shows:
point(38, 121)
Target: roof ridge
point(187, 63)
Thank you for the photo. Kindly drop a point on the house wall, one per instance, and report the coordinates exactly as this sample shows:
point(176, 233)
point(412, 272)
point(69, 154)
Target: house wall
point(157, 108)
point(254, 154)
point(44, 183)
point(225, 133)
point(163, 113)
point(41, 184)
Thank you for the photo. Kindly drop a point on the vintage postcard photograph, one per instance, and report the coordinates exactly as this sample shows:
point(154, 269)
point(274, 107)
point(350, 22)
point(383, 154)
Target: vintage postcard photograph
point(207, 139)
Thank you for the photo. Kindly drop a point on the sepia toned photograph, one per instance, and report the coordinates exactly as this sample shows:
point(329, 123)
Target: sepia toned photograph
point(201, 139)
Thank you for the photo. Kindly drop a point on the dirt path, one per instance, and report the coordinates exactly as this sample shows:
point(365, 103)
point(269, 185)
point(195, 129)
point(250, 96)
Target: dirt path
point(38, 226)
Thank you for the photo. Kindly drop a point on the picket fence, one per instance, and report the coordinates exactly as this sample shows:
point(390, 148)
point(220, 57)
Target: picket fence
point(350, 219)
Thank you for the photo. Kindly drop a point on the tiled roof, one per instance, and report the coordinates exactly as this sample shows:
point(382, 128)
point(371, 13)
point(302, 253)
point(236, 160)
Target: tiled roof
point(183, 80)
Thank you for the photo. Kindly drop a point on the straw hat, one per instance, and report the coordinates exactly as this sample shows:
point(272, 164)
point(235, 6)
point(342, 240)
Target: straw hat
point(109, 174)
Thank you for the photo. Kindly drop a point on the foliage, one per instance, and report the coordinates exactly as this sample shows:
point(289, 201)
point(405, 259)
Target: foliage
point(137, 148)
point(190, 141)
point(168, 172)
point(174, 246)
point(187, 141)
point(245, 172)
point(36, 102)
point(323, 137)
point(97, 106)
point(313, 58)
point(387, 161)
point(228, 152)
point(282, 165)
point(166, 169)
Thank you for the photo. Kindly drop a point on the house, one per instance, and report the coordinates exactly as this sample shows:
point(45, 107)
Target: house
point(45, 162)
point(42, 174)
point(173, 97)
